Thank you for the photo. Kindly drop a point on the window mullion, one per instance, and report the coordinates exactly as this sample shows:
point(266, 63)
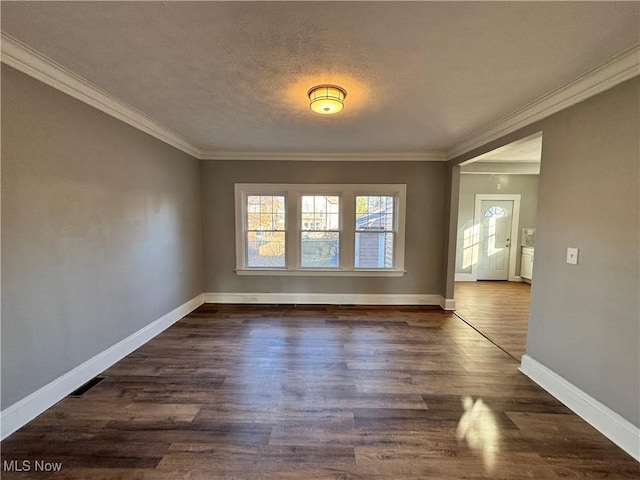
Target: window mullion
point(240, 230)
point(399, 228)
point(293, 230)
point(347, 230)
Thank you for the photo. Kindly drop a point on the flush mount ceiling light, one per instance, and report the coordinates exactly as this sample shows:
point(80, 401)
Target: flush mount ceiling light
point(326, 99)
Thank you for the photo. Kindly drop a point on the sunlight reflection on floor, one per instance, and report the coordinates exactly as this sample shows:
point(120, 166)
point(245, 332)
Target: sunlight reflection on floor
point(478, 428)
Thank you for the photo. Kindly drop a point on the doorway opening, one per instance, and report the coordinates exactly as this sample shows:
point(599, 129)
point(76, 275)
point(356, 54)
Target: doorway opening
point(497, 213)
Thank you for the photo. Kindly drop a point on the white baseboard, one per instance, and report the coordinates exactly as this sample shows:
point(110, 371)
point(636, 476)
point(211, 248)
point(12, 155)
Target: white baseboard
point(469, 277)
point(602, 418)
point(465, 277)
point(326, 298)
point(447, 303)
point(25, 410)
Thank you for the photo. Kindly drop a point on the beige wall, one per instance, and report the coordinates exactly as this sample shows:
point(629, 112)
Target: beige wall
point(100, 232)
point(585, 319)
point(470, 185)
point(425, 213)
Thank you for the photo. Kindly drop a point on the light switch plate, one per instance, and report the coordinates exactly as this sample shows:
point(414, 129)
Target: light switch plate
point(572, 255)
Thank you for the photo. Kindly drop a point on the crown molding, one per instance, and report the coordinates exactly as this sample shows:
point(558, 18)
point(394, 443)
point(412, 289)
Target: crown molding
point(620, 68)
point(19, 56)
point(434, 156)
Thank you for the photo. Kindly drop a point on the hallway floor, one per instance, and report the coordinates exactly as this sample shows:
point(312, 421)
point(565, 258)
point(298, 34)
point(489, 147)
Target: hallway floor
point(498, 310)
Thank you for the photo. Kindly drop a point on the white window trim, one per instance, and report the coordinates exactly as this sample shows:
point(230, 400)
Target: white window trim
point(347, 193)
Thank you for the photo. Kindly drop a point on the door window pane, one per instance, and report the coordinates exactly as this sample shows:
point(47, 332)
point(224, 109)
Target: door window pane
point(495, 211)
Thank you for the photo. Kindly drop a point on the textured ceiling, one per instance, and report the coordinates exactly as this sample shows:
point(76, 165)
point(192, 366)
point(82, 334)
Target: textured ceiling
point(524, 151)
point(233, 76)
point(520, 157)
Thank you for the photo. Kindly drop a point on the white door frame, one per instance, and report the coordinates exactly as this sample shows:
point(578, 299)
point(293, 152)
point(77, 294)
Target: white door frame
point(515, 221)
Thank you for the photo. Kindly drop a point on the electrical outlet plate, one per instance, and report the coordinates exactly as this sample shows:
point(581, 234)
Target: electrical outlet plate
point(572, 255)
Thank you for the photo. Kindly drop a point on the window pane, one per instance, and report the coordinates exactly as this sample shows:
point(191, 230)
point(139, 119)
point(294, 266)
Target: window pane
point(374, 212)
point(307, 204)
point(279, 221)
point(253, 221)
point(278, 204)
point(253, 203)
point(265, 212)
point(320, 212)
point(265, 249)
point(374, 250)
point(319, 249)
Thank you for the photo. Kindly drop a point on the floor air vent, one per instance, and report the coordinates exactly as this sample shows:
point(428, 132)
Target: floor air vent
point(86, 387)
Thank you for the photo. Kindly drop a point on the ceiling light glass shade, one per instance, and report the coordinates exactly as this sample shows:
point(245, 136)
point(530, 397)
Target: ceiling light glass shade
point(327, 99)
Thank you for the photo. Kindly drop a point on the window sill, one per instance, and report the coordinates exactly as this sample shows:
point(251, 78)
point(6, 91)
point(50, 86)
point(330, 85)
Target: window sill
point(321, 272)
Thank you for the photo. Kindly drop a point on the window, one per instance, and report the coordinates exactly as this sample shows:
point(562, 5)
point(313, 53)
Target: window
point(374, 231)
point(286, 229)
point(320, 236)
point(266, 216)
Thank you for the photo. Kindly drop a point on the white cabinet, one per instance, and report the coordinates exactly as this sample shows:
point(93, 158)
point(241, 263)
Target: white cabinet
point(526, 263)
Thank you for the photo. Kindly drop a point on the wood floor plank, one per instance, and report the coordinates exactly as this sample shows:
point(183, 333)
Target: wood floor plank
point(316, 393)
point(500, 310)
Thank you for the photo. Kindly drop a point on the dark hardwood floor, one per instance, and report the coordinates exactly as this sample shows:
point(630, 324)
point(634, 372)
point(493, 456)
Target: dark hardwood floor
point(263, 392)
point(500, 310)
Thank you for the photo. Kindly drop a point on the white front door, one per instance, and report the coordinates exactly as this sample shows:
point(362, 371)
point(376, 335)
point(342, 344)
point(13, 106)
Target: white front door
point(495, 239)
